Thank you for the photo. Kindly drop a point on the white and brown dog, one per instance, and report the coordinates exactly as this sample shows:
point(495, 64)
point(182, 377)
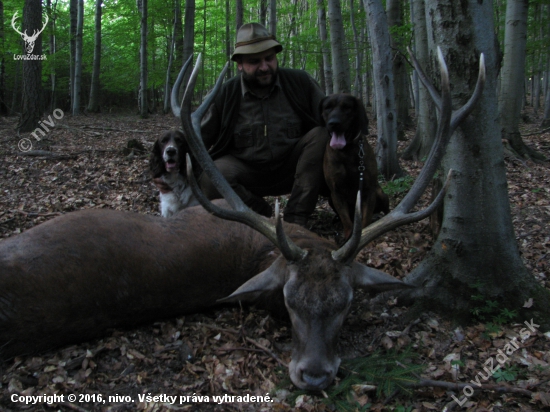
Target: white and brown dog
point(168, 166)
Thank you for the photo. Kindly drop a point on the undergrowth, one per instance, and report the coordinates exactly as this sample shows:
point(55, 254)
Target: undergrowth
point(391, 373)
point(489, 310)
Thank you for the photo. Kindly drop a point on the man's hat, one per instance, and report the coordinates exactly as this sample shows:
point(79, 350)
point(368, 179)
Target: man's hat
point(254, 38)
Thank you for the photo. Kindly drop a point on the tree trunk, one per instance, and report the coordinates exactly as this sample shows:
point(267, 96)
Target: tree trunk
point(327, 67)
point(188, 30)
point(93, 105)
point(73, 11)
point(400, 75)
point(357, 86)
point(379, 35)
point(32, 70)
point(426, 121)
point(178, 35)
point(3, 105)
point(167, 85)
point(78, 58)
point(52, 54)
point(273, 17)
point(228, 39)
point(340, 62)
point(143, 109)
point(512, 75)
point(476, 251)
point(368, 67)
point(263, 12)
point(239, 14)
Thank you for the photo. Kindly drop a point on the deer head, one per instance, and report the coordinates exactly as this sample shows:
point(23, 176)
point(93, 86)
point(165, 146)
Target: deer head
point(29, 40)
point(316, 278)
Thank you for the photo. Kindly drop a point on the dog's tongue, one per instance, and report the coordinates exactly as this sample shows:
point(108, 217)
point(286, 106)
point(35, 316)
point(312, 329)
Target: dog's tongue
point(337, 141)
point(170, 166)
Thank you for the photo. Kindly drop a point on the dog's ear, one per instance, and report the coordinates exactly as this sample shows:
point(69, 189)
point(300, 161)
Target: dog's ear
point(321, 117)
point(156, 164)
point(362, 117)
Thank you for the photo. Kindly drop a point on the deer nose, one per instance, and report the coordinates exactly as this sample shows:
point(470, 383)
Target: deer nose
point(316, 379)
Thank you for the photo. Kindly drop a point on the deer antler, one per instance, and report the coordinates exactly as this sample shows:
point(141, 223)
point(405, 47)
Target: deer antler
point(191, 124)
point(448, 123)
point(176, 108)
point(13, 24)
point(35, 33)
point(25, 36)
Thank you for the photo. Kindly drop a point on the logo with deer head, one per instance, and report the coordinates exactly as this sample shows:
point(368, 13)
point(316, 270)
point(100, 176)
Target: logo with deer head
point(29, 40)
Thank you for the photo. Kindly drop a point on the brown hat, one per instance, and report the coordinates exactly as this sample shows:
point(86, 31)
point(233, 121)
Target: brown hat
point(254, 38)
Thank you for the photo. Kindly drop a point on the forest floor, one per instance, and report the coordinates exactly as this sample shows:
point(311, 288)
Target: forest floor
point(236, 351)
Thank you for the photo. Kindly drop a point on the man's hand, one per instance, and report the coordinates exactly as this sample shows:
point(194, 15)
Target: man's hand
point(161, 185)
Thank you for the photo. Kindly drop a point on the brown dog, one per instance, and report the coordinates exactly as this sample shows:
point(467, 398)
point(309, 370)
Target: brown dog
point(346, 121)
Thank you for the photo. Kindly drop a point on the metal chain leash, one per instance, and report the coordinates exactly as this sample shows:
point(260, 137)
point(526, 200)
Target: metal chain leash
point(361, 167)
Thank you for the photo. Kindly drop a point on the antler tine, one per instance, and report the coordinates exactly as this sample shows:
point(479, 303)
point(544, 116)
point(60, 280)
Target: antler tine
point(465, 110)
point(176, 108)
point(13, 23)
point(240, 213)
point(400, 215)
point(288, 248)
point(425, 80)
point(36, 33)
point(347, 252)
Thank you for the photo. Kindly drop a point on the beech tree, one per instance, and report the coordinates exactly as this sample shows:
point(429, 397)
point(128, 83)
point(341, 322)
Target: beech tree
point(3, 106)
point(379, 35)
point(171, 53)
point(327, 67)
point(143, 109)
point(93, 105)
point(32, 70)
point(52, 52)
point(340, 62)
point(400, 74)
point(420, 145)
point(476, 251)
point(512, 75)
point(73, 17)
point(78, 58)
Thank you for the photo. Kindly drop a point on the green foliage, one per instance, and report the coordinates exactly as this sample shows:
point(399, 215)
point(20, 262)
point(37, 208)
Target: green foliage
point(489, 310)
point(508, 374)
point(402, 35)
point(401, 408)
point(391, 372)
point(397, 186)
point(457, 362)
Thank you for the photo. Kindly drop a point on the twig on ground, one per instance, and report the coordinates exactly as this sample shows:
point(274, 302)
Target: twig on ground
point(536, 133)
point(47, 154)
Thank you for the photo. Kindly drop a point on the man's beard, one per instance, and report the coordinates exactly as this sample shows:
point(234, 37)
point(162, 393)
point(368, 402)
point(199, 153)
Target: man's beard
point(255, 81)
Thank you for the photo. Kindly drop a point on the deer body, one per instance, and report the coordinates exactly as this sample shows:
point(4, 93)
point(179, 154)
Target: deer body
point(71, 278)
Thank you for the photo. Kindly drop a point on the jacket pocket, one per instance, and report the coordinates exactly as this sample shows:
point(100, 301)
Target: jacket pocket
point(243, 139)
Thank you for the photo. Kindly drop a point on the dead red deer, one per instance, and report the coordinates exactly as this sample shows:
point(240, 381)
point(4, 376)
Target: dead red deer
point(317, 281)
point(72, 278)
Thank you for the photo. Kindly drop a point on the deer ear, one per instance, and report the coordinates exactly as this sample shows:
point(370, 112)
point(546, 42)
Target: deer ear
point(374, 280)
point(271, 279)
